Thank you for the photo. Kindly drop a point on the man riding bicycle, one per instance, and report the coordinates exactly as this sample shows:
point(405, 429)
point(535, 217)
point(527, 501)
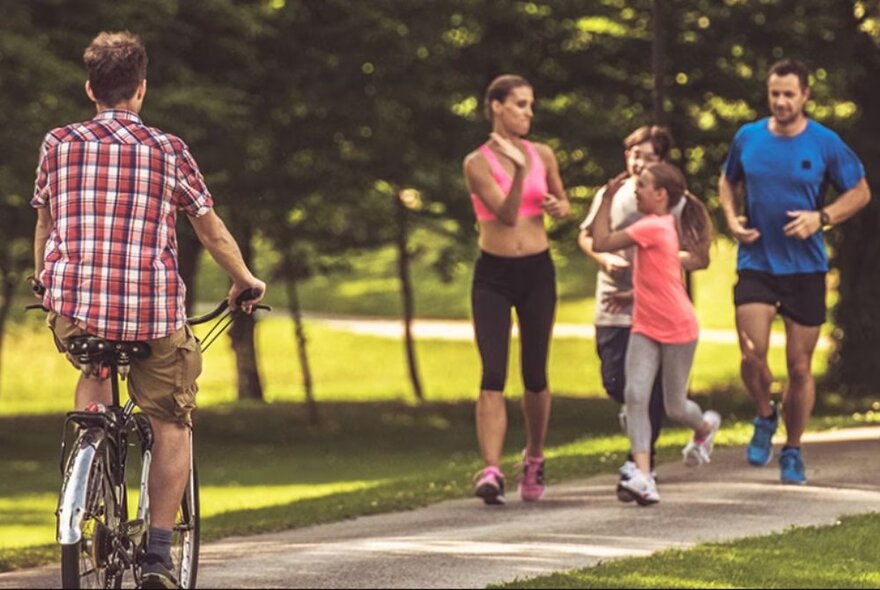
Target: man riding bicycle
point(105, 249)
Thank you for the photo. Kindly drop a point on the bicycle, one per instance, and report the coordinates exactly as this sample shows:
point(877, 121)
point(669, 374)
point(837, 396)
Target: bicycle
point(99, 542)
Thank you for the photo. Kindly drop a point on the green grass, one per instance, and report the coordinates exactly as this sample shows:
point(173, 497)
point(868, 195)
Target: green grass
point(371, 287)
point(843, 555)
point(263, 468)
point(345, 366)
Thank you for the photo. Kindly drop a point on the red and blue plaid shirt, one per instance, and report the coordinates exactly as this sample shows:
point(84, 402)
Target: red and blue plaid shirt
point(113, 187)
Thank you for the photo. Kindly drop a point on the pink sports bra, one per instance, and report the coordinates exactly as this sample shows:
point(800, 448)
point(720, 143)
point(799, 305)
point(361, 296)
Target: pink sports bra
point(534, 185)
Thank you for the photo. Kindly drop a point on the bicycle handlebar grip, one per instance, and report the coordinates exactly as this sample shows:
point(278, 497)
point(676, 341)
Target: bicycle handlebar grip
point(248, 295)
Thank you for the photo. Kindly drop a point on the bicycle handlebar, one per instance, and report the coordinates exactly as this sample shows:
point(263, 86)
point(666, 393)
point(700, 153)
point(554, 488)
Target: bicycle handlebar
point(243, 297)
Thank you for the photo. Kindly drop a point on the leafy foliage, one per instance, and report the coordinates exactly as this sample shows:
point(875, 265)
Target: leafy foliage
point(310, 118)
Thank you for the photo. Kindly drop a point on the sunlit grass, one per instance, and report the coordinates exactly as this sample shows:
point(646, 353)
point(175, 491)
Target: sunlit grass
point(843, 555)
point(263, 468)
point(372, 288)
point(347, 367)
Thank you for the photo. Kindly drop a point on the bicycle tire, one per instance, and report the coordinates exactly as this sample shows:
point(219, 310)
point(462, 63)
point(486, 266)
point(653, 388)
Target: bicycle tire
point(89, 562)
point(185, 541)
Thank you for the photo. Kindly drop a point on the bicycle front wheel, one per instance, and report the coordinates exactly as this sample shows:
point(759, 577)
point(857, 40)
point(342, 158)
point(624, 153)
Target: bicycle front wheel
point(185, 540)
point(93, 560)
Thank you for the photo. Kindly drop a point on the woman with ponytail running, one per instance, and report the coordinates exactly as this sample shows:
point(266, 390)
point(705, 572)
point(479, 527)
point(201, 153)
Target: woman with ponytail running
point(513, 183)
point(664, 325)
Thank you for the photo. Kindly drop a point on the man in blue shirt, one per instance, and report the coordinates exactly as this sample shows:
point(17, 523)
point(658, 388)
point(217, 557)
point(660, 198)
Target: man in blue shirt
point(785, 163)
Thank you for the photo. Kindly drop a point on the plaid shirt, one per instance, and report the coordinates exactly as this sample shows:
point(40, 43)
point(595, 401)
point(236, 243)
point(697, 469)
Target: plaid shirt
point(113, 187)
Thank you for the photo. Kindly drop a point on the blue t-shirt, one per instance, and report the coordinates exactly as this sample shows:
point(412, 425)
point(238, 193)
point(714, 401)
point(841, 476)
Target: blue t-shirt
point(784, 174)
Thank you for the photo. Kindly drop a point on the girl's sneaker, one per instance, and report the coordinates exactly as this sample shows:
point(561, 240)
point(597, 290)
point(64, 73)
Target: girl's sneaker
point(699, 450)
point(639, 488)
point(532, 486)
point(490, 485)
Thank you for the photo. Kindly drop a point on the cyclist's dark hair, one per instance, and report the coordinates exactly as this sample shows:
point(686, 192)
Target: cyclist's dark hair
point(660, 138)
point(117, 63)
point(787, 66)
point(500, 88)
point(696, 225)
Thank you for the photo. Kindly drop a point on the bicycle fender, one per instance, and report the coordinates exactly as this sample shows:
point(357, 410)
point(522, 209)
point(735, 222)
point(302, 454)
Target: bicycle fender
point(74, 490)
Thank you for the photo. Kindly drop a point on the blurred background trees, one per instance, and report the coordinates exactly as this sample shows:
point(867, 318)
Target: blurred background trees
point(326, 128)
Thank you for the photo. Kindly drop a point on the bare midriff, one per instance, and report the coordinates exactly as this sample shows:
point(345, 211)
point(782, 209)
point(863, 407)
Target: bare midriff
point(528, 236)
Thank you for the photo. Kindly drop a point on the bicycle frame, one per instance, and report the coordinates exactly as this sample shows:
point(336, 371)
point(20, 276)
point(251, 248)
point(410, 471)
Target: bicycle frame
point(96, 465)
point(114, 426)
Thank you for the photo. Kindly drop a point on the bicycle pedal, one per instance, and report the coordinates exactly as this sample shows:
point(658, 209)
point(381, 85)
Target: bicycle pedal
point(134, 529)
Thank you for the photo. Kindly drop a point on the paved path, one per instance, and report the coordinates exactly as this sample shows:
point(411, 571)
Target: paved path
point(463, 544)
point(463, 330)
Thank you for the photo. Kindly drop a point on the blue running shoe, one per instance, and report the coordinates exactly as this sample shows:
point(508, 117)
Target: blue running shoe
point(791, 467)
point(760, 449)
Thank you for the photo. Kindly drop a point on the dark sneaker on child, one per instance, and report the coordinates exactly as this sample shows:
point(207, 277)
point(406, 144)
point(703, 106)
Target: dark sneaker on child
point(627, 471)
point(156, 573)
point(639, 488)
point(791, 466)
point(760, 449)
point(532, 486)
point(490, 485)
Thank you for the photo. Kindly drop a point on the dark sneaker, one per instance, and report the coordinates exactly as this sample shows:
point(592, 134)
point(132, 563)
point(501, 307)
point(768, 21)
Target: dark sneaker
point(791, 467)
point(627, 471)
point(760, 449)
point(490, 485)
point(156, 573)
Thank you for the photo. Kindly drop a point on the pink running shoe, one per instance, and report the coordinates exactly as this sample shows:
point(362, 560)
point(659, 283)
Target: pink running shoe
point(490, 485)
point(532, 486)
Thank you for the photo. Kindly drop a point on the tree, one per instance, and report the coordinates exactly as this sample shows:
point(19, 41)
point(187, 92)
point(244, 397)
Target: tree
point(34, 82)
point(854, 361)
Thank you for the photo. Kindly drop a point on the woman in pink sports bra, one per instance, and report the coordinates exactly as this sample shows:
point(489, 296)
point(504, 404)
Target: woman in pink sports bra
point(513, 183)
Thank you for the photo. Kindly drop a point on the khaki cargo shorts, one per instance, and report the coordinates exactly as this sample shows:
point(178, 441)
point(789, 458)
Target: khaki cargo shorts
point(163, 385)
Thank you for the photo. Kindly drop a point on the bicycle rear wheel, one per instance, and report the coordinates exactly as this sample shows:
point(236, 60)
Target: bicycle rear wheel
point(93, 561)
point(185, 540)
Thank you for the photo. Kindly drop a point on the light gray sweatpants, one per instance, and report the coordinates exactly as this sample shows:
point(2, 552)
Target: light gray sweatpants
point(643, 359)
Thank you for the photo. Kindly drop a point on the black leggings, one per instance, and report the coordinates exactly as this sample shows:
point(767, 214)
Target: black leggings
point(528, 284)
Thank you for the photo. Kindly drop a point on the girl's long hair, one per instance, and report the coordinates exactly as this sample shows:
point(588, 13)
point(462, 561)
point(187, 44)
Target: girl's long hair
point(696, 229)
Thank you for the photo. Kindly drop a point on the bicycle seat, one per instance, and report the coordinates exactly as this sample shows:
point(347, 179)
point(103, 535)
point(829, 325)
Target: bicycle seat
point(88, 349)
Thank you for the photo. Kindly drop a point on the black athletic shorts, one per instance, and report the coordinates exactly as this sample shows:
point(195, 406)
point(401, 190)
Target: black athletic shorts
point(799, 297)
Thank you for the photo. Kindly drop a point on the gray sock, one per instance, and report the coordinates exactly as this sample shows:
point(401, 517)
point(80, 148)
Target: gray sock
point(160, 543)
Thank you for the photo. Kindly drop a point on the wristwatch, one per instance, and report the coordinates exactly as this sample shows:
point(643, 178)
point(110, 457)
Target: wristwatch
point(824, 218)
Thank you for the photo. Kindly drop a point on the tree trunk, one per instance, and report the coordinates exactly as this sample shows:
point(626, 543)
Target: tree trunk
point(856, 355)
point(658, 59)
point(406, 293)
point(658, 73)
point(189, 252)
point(242, 333)
point(7, 290)
point(302, 353)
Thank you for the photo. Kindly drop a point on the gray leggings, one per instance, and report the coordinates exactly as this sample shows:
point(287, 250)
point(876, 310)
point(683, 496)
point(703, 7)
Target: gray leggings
point(643, 359)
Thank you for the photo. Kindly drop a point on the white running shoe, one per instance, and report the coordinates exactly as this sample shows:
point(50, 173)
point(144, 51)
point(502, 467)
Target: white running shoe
point(640, 488)
point(699, 451)
point(627, 470)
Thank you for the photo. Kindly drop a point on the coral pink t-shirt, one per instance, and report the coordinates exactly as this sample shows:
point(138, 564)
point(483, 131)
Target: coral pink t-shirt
point(662, 310)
